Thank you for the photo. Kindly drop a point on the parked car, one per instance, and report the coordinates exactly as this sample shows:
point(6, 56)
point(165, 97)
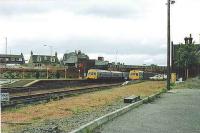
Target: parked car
point(159, 77)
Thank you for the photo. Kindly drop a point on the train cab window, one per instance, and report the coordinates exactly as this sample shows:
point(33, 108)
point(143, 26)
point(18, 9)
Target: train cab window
point(94, 73)
point(132, 74)
point(136, 74)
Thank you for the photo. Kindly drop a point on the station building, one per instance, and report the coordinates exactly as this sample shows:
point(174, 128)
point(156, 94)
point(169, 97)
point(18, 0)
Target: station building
point(82, 62)
point(72, 59)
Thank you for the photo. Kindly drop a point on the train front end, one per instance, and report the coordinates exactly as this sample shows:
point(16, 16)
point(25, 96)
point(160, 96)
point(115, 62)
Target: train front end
point(92, 74)
point(135, 75)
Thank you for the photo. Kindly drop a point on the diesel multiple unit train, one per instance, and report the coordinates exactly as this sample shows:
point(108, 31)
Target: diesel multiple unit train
point(105, 74)
point(137, 74)
point(97, 74)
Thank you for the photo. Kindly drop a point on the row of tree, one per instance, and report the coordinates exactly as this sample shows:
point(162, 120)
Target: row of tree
point(187, 56)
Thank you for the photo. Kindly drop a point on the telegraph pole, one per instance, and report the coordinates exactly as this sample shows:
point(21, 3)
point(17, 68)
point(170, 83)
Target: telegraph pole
point(169, 2)
point(199, 38)
point(6, 44)
point(51, 49)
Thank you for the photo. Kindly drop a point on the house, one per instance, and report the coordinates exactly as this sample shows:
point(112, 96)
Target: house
point(73, 59)
point(12, 59)
point(41, 61)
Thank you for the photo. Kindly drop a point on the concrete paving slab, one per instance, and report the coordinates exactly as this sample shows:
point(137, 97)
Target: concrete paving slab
point(177, 112)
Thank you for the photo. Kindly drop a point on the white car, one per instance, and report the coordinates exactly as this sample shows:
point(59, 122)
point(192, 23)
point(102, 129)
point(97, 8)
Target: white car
point(159, 77)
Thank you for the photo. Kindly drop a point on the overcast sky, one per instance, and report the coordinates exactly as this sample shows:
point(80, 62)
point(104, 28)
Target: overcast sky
point(129, 31)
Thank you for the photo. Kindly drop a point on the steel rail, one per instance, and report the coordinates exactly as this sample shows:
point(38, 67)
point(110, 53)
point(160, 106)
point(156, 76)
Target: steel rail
point(27, 99)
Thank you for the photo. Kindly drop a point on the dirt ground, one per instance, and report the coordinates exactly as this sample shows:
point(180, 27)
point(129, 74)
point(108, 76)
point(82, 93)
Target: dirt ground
point(77, 104)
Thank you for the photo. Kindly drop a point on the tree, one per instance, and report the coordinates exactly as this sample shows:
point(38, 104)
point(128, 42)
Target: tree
point(187, 56)
point(9, 75)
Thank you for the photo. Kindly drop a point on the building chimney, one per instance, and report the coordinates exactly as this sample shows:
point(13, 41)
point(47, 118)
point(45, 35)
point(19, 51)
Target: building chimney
point(100, 58)
point(79, 52)
point(56, 54)
point(190, 39)
point(186, 40)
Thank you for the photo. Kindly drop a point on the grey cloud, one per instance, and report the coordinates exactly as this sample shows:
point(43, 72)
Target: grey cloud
point(32, 7)
point(103, 9)
point(89, 46)
point(109, 11)
point(125, 51)
point(9, 9)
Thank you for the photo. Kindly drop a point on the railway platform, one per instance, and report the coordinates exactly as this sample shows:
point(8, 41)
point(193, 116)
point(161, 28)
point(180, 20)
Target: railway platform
point(176, 111)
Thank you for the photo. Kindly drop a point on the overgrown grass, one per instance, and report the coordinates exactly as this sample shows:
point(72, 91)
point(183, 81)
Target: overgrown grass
point(79, 104)
point(192, 83)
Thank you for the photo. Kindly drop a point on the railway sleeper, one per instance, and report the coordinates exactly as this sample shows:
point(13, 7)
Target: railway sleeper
point(51, 96)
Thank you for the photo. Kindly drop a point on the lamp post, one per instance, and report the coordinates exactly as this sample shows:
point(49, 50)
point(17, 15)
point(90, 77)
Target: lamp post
point(51, 47)
point(6, 45)
point(199, 38)
point(169, 2)
point(47, 69)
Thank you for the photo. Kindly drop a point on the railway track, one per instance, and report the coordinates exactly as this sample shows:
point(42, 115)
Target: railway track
point(55, 95)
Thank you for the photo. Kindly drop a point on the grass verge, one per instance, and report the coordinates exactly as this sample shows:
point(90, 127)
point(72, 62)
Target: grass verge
point(191, 83)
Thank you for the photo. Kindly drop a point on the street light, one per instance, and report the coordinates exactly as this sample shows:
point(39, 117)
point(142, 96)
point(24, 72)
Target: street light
point(51, 47)
point(169, 2)
point(6, 45)
point(199, 38)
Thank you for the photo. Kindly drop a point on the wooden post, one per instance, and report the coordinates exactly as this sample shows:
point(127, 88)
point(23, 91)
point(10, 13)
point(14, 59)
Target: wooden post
point(65, 73)
point(47, 73)
point(23, 73)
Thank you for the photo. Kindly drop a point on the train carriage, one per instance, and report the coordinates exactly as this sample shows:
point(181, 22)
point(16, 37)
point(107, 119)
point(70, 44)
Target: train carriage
point(94, 74)
point(136, 75)
point(125, 75)
point(116, 75)
point(98, 74)
point(140, 75)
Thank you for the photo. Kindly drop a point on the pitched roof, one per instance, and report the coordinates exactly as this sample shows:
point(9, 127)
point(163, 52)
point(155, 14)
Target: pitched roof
point(11, 56)
point(46, 59)
point(78, 55)
point(12, 59)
